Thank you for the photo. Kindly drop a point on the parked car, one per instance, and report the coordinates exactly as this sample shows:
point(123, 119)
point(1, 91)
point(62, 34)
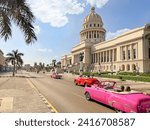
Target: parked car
point(85, 80)
point(56, 76)
point(122, 100)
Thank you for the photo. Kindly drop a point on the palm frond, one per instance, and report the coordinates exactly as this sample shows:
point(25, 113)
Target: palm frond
point(10, 54)
point(5, 24)
point(19, 12)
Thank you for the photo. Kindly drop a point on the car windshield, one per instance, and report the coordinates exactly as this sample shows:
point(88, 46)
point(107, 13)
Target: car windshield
point(107, 84)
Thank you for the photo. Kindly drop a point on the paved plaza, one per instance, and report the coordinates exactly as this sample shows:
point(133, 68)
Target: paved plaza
point(16, 95)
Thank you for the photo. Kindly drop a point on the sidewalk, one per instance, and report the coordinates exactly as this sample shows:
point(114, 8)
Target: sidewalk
point(18, 96)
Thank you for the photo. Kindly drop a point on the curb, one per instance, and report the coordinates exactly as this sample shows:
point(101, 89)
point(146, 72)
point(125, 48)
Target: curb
point(45, 101)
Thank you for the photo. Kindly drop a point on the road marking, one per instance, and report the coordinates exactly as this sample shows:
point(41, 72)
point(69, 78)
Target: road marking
point(49, 105)
point(78, 95)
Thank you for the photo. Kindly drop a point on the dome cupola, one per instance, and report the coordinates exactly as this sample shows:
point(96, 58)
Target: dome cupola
point(93, 30)
point(93, 17)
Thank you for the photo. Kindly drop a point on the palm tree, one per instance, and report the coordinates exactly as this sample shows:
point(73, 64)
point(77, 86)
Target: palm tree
point(15, 59)
point(19, 12)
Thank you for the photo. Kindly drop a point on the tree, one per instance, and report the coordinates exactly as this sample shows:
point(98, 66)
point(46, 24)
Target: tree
point(15, 59)
point(59, 64)
point(16, 11)
point(54, 62)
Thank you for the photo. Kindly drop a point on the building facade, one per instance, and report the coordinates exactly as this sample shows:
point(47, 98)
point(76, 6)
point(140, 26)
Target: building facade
point(2, 60)
point(128, 52)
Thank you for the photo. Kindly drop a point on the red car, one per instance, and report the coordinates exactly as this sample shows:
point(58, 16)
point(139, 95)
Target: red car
point(56, 76)
point(85, 81)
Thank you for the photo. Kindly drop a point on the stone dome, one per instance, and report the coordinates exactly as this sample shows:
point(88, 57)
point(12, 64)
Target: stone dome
point(92, 28)
point(93, 17)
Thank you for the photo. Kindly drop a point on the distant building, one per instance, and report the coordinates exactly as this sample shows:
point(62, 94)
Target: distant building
point(2, 60)
point(128, 52)
point(27, 67)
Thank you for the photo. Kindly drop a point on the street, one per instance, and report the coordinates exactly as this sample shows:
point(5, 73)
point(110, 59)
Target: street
point(61, 94)
point(65, 96)
point(32, 92)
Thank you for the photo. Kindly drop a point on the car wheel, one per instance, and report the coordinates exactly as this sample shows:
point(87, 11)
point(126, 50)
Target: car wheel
point(87, 96)
point(76, 83)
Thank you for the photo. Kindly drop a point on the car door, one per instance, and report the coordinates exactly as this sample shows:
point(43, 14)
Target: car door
point(99, 94)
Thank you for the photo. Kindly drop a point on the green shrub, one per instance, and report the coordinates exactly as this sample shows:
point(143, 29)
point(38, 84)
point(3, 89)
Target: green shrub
point(127, 73)
point(145, 74)
point(127, 77)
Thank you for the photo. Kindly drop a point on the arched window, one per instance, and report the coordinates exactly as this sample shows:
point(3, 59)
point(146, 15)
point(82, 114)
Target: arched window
point(123, 67)
point(128, 67)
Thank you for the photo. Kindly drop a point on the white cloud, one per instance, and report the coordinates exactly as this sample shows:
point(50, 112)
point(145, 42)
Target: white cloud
point(97, 3)
point(37, 29)
point(111, 35)
point(55, 12)
point(44, 50)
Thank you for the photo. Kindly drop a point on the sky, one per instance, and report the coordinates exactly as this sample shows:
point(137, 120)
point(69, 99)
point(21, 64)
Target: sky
point(59, 22)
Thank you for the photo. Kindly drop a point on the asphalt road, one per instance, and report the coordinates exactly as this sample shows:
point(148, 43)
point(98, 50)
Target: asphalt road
point(64, 96)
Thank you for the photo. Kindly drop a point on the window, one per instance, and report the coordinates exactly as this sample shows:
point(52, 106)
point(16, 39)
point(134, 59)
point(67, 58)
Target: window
point(96, 57)
point(123, 67)
point(105, 56)
point(134, 53)
point(98, 25)
point(149, 53)
point(94, 25)
point(90, 35)
point(128, 67)
point(115, 55)
point(94, 35)
point(124, 55)
point(128, 54)
point(102, 59)
point(90, 25)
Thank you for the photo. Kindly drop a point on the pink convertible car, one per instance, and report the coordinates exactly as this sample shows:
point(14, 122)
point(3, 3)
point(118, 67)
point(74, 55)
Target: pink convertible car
point(121, 99)
point(56, 76)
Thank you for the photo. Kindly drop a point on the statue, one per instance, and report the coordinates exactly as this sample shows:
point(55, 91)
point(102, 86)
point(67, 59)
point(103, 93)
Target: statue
point(81, 56)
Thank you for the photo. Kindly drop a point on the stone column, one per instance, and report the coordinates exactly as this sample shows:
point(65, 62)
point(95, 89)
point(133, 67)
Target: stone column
point(131, 52)
point(126, 48)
